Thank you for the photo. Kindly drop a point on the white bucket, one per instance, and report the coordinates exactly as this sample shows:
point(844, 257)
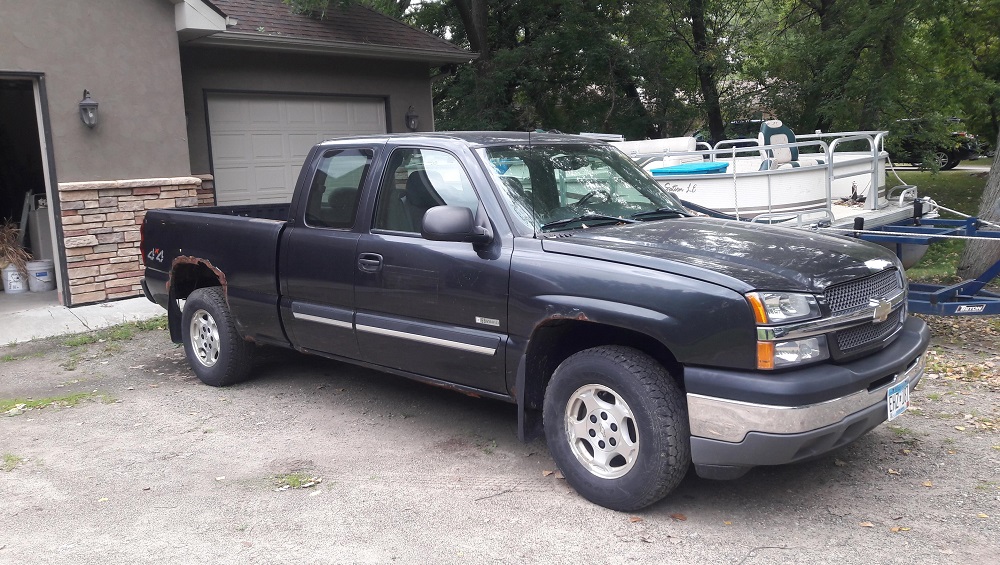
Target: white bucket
point(40, 277)
point(13, 280)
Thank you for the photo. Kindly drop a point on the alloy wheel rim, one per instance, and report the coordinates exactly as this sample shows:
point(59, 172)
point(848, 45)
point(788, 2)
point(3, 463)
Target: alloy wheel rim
point(602, 431)
point(942, 159)
point(205, 338)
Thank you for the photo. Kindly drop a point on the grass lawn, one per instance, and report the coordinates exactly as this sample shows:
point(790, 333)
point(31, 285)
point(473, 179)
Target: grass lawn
point(958, 190)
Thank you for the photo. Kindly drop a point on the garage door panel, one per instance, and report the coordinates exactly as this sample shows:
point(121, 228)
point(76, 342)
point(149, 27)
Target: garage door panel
point(269, 146)
point(229, 117)
point(258, 142)
point(336, 117)
point(265, 114)
point(230, 146)
point(299, 144)
point(368, 117)
point(239, 179)
point(270, 178)
point(302, 112)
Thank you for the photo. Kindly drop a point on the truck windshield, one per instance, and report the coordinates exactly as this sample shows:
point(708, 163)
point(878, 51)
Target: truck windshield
point(571, 186)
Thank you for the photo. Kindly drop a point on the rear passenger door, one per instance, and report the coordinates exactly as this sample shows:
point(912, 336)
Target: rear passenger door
point(435, 308)
point(318, 255)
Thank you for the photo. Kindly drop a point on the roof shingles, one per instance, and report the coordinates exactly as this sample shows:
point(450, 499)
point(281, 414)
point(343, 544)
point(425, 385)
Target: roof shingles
point(349, 24)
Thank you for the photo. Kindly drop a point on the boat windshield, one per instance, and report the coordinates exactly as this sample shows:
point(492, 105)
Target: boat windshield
point(573, 186)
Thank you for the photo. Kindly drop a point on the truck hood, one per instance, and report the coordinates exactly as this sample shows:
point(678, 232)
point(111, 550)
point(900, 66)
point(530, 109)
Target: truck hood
point(738, 255)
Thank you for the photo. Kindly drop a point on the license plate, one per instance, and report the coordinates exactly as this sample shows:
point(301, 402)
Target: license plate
point(898, 399)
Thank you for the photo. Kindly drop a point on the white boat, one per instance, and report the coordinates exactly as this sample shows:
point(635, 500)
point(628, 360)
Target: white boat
point(827, 179)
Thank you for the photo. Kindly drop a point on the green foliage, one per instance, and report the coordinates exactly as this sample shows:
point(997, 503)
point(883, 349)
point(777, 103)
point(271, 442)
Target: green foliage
point(68, 400)
point(121, 332)
point(296, 481)
point(641, 68)
point(549, 64)
point(315, 8)
point(319, 9)
point(10, 462)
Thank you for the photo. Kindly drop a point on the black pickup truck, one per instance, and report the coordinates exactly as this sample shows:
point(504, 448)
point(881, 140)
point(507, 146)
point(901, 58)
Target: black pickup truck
point(549, 271)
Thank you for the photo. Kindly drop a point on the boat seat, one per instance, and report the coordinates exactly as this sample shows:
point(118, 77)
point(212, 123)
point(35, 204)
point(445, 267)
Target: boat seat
point(774, 132)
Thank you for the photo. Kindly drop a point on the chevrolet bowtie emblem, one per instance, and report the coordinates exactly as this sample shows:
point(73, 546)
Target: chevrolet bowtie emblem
point(882, 309)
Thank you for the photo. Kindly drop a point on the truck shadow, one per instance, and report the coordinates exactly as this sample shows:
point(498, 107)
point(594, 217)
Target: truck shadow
point(414, 409)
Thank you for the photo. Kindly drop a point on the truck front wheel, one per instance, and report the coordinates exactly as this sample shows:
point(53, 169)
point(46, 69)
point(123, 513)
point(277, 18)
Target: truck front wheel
point(215, 350)
point(617, 426)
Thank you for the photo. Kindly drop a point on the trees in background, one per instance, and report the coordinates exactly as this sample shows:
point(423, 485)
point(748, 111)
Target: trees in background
point(648, 68)
point(654, 68)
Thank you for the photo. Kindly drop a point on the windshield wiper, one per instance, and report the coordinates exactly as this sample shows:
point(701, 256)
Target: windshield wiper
point(586, 218)
point(661, 213)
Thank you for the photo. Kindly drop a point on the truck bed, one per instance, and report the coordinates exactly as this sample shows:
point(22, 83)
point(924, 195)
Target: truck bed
point(259, 211)
point(238, 243)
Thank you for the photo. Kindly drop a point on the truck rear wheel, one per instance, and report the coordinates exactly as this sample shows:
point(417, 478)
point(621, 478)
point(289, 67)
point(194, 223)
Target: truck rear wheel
point(617, 426)
point(215, 350)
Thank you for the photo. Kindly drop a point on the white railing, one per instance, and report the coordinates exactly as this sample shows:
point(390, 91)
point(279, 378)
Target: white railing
point(745, 172)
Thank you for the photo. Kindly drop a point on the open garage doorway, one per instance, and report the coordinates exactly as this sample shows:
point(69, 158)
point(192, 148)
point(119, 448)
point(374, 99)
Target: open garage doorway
point(24, 196)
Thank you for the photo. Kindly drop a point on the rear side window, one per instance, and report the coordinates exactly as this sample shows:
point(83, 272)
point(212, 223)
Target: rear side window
point(336, 188)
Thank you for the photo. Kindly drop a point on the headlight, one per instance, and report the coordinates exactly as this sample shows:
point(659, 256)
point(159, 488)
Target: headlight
point(778, 354)
point(781, 307)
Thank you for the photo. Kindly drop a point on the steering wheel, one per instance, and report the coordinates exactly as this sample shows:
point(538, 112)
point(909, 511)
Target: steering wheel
point(590, 195)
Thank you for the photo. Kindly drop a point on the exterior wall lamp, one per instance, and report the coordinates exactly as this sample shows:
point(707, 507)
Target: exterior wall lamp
point(412, 119)
point(88, 110)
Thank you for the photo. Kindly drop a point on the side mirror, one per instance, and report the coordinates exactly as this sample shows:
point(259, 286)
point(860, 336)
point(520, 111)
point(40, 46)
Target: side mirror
point(455, 223)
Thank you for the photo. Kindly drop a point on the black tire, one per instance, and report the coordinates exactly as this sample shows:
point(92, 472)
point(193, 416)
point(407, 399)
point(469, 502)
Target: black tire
point(621, 382)
point(215, 350)
point(953, 162)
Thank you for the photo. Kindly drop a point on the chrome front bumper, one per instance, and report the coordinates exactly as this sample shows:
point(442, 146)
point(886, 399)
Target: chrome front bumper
point(730, 420)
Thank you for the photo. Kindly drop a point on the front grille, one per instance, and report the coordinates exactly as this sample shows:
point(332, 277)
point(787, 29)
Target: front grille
point(859, 336)
point(855, 294)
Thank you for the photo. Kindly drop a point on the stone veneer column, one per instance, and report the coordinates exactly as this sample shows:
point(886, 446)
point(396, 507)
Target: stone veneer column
point(101, 221)
point(206, 194)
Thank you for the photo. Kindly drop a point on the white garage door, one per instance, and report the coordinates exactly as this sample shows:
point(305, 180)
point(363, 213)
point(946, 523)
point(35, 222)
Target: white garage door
point(260, 141)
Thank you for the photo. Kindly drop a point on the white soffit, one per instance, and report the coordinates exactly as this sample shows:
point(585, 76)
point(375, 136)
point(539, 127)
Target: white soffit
point(194, 19)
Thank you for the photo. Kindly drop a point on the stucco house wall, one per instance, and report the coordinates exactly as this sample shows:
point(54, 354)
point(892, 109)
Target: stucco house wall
point(125, 53)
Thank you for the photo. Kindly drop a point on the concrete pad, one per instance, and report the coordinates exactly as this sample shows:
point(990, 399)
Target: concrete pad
point(38, 321)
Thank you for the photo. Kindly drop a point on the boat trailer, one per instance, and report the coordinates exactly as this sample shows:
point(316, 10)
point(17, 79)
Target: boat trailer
point(967, 298)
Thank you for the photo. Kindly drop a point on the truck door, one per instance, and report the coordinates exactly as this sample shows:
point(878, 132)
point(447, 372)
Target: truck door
point(430, 307)
point(318, 255)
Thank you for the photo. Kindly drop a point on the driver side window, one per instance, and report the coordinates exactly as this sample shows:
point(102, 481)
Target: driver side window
point(417, 180)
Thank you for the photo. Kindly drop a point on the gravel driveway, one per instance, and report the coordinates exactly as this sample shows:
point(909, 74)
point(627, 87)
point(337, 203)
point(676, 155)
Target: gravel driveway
point(132, 460)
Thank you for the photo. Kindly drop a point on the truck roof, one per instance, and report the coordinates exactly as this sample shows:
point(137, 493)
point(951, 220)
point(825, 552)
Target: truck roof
point(472, 138)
